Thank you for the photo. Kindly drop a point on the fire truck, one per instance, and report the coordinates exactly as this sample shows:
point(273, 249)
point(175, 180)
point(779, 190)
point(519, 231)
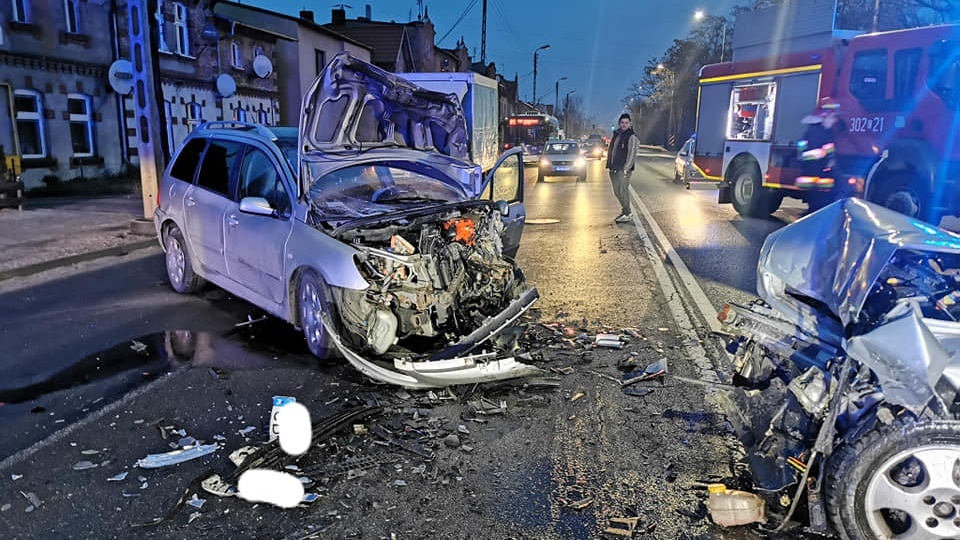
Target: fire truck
point(896, 98)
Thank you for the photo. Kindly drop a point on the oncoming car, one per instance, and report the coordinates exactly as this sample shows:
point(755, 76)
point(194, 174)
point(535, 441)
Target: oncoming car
point(562, 158)
point(389, 247)
point(594, 149)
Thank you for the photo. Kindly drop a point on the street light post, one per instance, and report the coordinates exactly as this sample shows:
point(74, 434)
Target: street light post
point(700, 14)
point(556, 95)
point(566, 109)
point(542, 48)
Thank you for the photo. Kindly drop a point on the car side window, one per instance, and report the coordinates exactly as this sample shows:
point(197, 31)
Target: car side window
point(185, 167)
point(218, 166)
point(259, 177)
point(506, 184)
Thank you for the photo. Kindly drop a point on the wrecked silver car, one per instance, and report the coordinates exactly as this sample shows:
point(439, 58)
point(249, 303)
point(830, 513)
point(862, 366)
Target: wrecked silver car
point(850, 374)
point(389, 246)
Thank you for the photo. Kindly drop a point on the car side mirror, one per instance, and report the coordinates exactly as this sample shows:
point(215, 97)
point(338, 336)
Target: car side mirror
point(257, 206)
point(502, 207)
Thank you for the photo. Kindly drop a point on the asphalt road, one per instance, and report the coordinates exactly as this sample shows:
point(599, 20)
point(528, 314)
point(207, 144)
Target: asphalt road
point(559, 461)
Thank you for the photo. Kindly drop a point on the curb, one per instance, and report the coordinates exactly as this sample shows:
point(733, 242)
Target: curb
point(115, 251)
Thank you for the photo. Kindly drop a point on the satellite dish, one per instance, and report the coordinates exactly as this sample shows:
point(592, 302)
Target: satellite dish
point(226, 86)
point(120, 76)
point(262, 66)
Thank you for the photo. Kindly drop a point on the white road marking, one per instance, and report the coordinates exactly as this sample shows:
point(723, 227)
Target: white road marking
point(690, 339)
point(686, 277)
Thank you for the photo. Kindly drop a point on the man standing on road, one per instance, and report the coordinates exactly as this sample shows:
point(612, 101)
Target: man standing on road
point(620, 161)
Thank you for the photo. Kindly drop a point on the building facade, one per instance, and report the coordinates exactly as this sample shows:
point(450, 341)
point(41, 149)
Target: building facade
point(58, 113)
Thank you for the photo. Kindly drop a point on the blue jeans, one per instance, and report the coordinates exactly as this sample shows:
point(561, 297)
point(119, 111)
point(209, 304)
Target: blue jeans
point(621, 188)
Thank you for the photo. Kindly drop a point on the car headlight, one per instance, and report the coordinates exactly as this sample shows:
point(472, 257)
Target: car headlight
point(544, 162)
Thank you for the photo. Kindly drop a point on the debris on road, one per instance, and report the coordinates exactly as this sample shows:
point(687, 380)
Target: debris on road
point(577, 396)
point(652, 371)
point(196, 501)
point(622, 526)
point(608, 340)
point(136, 346)
point(153, 461)
point(118, 478)
point(84, 465)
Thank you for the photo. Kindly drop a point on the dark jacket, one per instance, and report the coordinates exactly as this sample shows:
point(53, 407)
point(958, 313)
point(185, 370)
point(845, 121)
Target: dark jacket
point(623, 150)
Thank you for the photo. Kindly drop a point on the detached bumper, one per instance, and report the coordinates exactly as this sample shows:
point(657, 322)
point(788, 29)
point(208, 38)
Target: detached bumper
point(452, 365)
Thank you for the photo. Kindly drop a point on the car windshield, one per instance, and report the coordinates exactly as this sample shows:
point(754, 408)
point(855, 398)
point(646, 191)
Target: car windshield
point(562, 148)
point(368, 190)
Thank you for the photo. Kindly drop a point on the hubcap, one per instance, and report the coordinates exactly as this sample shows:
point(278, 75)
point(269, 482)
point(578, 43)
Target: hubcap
point(915, 494)
point(310, 312)
point(743, 188)
point(176, 262)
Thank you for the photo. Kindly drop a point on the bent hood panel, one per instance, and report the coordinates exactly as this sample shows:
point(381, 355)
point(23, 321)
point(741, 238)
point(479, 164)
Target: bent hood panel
point(354, 105)
point(837, 253)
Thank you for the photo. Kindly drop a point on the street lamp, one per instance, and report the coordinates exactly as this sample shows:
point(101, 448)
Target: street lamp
point(566, 109)
point(542, 48)
point(699, 15)
point(556, 94)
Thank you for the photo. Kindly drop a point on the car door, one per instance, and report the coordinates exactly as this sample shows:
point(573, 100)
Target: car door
point(206, 203)
point(255, 242)
point(504, 182)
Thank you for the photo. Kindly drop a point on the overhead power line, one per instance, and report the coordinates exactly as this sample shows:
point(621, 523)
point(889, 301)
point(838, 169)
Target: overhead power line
point(462, 16)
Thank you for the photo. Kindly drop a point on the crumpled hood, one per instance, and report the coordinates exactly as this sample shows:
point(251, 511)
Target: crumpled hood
point(354, 105)
point(836, 254)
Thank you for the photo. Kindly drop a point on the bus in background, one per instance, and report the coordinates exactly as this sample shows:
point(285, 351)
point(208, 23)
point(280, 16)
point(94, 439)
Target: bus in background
point(530, 131)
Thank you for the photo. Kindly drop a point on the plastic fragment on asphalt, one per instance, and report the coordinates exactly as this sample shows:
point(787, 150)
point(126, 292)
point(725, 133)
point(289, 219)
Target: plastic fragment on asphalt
point(16, 476)
point(308, 498)
point(32, 498)
point(272, 487)
point(118, 477)
point(84, 465)
point(243, 432)
point(360, 429)
point(577, 396)
point(137, 346)
point(90, 452)
point(6, 507)
point(621, 526)
point(238, 456)
point(196, 502)
point(399, 483)
point(186, 441)
point(154, 461)
point(193, 516)
point(215, 485)
point(581, 504)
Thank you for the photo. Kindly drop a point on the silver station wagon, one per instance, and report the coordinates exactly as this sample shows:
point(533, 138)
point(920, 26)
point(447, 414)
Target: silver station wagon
point(369, 228)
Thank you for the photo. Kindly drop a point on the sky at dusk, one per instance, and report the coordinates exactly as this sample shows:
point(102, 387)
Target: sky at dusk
point(601, 46)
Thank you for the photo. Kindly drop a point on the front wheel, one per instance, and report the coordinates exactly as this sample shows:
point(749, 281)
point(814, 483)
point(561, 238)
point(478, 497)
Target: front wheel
point(903, 196)
point(313, 303)
point(750, 198)
point(898, 481)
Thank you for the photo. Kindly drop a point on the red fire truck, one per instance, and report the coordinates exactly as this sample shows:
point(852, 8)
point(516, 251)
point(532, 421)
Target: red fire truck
point(896, 96)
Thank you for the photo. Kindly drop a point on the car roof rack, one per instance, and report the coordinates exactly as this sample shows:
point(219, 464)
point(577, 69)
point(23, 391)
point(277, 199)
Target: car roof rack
point(261, 130)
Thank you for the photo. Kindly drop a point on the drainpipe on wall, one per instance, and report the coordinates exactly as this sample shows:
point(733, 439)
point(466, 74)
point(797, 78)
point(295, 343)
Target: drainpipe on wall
point(13, 118)
point(121, 118)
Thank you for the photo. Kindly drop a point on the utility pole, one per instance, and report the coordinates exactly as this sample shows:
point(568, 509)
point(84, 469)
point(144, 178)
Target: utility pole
point(876, 16)
point(483, 36)
point(147, 95)
point(535, 53)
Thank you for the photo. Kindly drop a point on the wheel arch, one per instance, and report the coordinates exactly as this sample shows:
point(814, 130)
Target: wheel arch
point(907, 157)
point(738, 161)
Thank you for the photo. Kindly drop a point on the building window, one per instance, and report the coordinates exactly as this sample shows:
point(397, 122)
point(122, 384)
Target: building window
point(168, 117)
point(71, 9)
point(241, 113)
point(81, 124)
point(161, 24)
point(29, 119)
point(320, 58)
point(262, 118)
point(194, 116)
point(181, 29)
point(236, 55)
point(21, 11)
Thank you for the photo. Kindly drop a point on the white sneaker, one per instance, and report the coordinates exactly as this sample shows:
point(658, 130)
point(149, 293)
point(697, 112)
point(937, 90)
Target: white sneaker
point(623, 218)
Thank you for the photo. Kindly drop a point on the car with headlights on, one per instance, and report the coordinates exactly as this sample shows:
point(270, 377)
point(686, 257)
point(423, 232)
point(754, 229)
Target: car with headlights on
point(368, 228)
point(562, 158)
point(594, 149)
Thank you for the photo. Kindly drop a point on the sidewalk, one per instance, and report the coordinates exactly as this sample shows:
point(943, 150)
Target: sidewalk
point(56, 232)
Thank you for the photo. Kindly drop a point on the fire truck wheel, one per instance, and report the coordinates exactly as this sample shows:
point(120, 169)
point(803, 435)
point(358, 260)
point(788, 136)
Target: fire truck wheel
point(901, 195)
point(750, 198)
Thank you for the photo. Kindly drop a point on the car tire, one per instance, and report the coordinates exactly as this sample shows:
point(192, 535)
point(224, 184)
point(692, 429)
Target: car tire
point(540, 177)
point(908, 464)
point(313, 302)
point(749, 197)
point(179, 264)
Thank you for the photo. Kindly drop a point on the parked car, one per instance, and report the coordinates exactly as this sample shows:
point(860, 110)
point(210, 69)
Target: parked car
point(562, 158)
point(684, 169)
point(388, 247)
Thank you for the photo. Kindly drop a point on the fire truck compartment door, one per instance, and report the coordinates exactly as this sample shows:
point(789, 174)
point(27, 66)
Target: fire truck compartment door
point(712, 115)
point(797, 98)
point(760, 150)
